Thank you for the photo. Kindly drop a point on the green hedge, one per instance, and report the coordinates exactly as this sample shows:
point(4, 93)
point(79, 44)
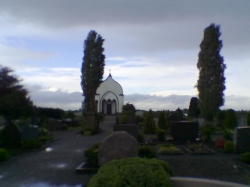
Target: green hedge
point(4, 155)
point(245, 157)
point(131, 172)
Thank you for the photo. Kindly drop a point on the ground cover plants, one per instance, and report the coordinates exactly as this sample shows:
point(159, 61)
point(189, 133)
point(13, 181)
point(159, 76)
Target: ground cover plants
point(164, 149)
point(137, 172)
point(91, 154)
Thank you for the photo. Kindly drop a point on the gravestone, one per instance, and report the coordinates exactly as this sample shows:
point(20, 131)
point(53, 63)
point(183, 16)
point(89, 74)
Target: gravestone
point(242, 139)
point(184, 130)
point(29, 132)
point(54, 124)
point(117, 145)
point(132, 129)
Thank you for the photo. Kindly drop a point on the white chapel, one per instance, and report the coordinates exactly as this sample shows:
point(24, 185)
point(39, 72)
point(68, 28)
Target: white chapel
point(109, 97)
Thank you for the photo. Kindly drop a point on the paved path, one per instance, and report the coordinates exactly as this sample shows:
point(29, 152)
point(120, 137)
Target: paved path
point(54, 168)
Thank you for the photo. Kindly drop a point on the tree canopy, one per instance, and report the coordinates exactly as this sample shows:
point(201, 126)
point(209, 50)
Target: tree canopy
point(92, 68)
point(14, 100)
point(211, 81)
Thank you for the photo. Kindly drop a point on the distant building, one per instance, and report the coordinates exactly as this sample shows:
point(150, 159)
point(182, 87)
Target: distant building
point(109, 97)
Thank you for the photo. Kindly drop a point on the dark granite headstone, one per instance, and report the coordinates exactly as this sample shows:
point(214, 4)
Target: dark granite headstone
point(117, 145)
point(29, 132)
point(54, 124)
point(11, 135)
point(242, 139)
point(129, 128)
point(184, 130)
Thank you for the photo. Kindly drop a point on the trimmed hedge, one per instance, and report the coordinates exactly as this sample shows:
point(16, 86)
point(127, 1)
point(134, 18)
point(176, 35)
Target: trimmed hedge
point(4, 155)
point(137, 172)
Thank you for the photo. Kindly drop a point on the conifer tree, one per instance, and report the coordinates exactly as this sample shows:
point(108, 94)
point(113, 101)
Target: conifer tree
point(149, 123)
point(162, 122)
point(92, 71)
point(211, 81)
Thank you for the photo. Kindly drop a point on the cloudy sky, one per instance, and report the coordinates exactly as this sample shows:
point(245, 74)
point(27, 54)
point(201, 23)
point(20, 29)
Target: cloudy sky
point(151, 48)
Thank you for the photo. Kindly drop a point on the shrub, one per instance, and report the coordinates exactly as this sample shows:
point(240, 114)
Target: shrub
point(145, 151)
point(227, 134)
point(149, 123)
point(220, 144)
point(132, 172)
point(206, 131)
point(245, 157)
point(161, 135)
point(88, 130)
point(91, 154)
point(64, 127)
point(162, 122)
point(231, 119)
point(140, 124)
point(168, 149)
point(122, 119)
point(141, 137)
point(45, 138)
point(229, 147)
point(4, 155)
point(31, 144)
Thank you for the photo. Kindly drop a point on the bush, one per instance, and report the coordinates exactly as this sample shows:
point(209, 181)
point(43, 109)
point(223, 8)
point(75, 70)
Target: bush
point(229, 147)
point(231, 119)
point(168, 149)
point(31, 144)
point(88, 130)
point(133, 172)
point(141, 137)
point(227, 134)
point(45, 138)
point(145, 151)
point(149, 123)
point(140, 124)
point(206, 131)
point(122, 119)
point(64, 127)
point(245, 157)
point(91, 154)
point(220, 144)
point(161, 135)
point(4, 155)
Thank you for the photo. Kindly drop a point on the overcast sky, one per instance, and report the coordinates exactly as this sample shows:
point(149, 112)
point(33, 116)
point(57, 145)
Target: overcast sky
point(150, 46)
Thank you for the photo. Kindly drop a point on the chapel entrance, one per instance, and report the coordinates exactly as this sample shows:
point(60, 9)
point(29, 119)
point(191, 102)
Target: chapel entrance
point(109, 109)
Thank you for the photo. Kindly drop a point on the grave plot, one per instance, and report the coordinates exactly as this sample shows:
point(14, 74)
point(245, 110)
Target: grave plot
point(168, 149)
point(197, 148)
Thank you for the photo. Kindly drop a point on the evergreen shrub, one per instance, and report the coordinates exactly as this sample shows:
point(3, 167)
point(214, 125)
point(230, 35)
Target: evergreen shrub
point(88, 130)
point(31, 144)
point(245, 157)
point(229, 147)
point(4, 155)
point(137, 172)
point(91, 154)
point(141, 137)
point(206, 131)
point(64, 127)
point(146, 151)
point(161, 135)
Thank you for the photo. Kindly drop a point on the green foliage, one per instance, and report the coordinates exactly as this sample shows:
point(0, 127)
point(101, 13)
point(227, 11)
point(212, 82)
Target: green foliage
point(65, 127)
point(92, 70)
point(88, 129)
point(248, 118)
point(161, 135)
point(193, 111)
point(164, 149)
point(14, 100)
point(45, 113)
point(141, 125)
point(149, 123)
point(91, 154)
point(146, 151)
point(11, 136)
point(221, 115)
point(44, 135)
point(31, 144)
point(231, 119)
point(4, 155)
point(229, 147)
point(141, 137)
point(206, 131)
point(211, 81)
point(133, 172)
point(162, 122)
point(128, 109)
point(70, 114)
point(245, 157)
point(227, 134)
point(122, 119)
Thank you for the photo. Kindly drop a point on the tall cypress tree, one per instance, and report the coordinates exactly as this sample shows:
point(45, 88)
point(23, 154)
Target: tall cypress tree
point(211, 82)
point(92, 71)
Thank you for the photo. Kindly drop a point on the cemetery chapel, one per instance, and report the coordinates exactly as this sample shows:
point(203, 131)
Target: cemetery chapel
point(109, 97)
